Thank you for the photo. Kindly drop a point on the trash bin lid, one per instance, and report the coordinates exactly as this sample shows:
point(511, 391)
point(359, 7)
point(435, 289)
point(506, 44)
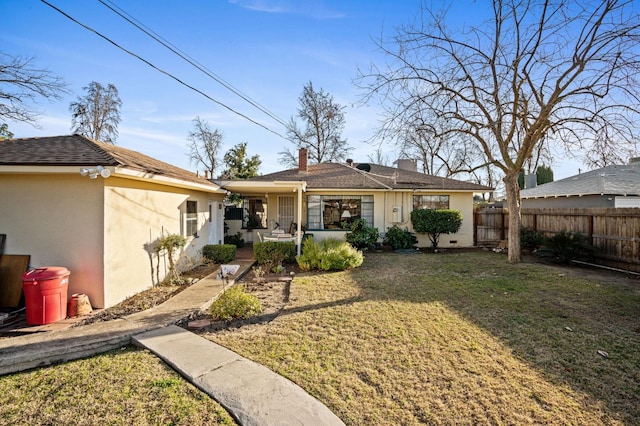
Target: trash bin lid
point(45, 273)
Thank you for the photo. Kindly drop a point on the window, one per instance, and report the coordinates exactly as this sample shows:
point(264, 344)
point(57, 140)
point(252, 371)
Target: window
point(436, 202)
point(191, 219)
point(255, 213)
point(331, 211)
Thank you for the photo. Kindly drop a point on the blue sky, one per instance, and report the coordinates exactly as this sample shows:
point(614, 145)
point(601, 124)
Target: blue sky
point(266, 49)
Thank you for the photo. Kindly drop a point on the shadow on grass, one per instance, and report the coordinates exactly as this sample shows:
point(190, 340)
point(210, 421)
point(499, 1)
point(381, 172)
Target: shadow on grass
point(553, 319)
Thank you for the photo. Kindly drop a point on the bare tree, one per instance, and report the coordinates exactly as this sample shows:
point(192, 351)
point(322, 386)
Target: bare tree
point(21, 83)
point(323, 121)
point(562, 72)
point(96, 115)
point(204, 145)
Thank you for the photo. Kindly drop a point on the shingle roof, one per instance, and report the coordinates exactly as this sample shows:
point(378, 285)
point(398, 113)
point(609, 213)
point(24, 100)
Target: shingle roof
point(610, 180)
point(77, 150)
point(343, 176)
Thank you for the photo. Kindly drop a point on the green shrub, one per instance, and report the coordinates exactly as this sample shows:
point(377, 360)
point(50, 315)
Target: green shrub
point(530, 239)
point(436, 222)
point(220, 253)
point(329, 255)
point(274, 253)
point(234, 303)
point(361, 235)
point(566, 246)
point(400, 239)
point(236, 240)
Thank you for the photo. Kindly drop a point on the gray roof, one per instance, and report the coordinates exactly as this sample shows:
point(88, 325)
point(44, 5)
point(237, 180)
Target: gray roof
point(345, 177)
point(610, 180)
point(77, 150)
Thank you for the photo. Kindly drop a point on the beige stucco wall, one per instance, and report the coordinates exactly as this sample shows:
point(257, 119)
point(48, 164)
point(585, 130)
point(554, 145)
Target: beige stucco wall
point(98, 228)
point(383, 216)
point(57, 219)
point(137, 214)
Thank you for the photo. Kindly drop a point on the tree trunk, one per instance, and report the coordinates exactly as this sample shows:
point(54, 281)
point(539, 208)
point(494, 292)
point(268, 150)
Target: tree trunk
point(513, 202)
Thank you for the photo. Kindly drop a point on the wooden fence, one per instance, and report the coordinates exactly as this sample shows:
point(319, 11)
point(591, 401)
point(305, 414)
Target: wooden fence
point(615, 233)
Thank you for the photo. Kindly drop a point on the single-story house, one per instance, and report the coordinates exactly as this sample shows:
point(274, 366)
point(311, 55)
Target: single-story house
point(610, 186)
point(98, 209)
point(321, 197)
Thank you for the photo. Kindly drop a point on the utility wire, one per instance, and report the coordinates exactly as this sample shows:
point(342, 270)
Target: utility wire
point(159, 69)
point(164, 42)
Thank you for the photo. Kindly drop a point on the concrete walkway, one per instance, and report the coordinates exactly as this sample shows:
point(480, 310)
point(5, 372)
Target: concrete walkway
point(253, 394)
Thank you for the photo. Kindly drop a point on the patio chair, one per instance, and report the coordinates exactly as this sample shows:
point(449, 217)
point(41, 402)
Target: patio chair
point(259, 236)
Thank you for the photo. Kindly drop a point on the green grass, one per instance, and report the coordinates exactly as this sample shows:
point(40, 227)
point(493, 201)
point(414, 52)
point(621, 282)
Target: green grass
point(462, 338)
point(118, 388)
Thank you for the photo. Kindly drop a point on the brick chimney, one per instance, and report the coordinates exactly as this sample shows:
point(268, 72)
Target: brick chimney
point(302, 160)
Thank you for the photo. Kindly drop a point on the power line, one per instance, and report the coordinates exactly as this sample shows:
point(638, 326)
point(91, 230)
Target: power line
point(164, 42)
point(160, 69)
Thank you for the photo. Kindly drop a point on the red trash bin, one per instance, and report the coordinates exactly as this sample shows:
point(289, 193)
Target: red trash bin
point(45, 294)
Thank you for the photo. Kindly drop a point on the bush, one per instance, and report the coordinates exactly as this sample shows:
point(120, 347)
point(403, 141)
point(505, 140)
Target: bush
point(236, 240)
point(274, 253)
point(400, 239)
point(329, 255)
point(220, 253)
point(566, 246)
point(530, 239)
point(436, 222)
point(234, 303)
point(361, 235)
point(170, 244)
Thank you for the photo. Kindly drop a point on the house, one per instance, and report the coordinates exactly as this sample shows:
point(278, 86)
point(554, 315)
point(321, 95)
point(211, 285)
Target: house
point(610, 186)
point(97, 210)
point(321, 197)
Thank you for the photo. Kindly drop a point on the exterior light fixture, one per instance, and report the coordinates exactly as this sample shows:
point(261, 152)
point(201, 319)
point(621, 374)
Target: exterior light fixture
point(93, 173)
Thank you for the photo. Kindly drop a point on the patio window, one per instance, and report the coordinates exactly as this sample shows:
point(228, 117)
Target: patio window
point(191, 219)
point(255, 213)
point(333, 211)
point(435, 202)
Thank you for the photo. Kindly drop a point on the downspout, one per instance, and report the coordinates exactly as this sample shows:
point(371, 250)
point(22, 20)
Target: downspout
point(299, 221)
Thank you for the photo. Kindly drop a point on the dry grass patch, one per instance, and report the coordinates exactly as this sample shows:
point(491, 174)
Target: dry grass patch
point(118, 388)
point(459, 338)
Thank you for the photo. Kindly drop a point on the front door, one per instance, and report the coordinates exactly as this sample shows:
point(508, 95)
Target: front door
point(216, 222)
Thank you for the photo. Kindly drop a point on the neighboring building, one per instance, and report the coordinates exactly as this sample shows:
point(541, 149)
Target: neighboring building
point(611, 186)
point(341, 192)
point(97, 209)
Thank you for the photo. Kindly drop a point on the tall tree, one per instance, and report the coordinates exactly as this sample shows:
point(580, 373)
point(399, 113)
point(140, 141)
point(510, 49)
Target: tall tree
point(323, 121)
point(239, 164)
point(204, 145)
point(21, 83)
point(538, 71)
point(96, 115)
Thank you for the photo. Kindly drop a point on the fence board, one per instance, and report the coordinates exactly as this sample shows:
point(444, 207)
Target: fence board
point(615, 233)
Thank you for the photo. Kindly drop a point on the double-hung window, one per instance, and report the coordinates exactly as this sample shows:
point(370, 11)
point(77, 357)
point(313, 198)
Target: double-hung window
point(191, 219)
point(335, 211)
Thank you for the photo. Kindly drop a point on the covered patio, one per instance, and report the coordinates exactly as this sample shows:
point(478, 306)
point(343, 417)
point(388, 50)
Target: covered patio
point(270, 211)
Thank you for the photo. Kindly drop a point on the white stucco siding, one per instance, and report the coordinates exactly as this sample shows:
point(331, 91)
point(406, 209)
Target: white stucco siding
point(57, 219)
point(136, 215)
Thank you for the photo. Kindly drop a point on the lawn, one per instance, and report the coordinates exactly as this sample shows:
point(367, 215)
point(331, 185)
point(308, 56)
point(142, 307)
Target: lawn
point(458, 338)
point(447, 338)
point(123, 387)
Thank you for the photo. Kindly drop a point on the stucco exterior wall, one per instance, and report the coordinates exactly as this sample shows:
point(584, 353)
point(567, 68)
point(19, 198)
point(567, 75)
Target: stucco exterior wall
point(57, 219)
point(137, 215)
point(384, 217)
